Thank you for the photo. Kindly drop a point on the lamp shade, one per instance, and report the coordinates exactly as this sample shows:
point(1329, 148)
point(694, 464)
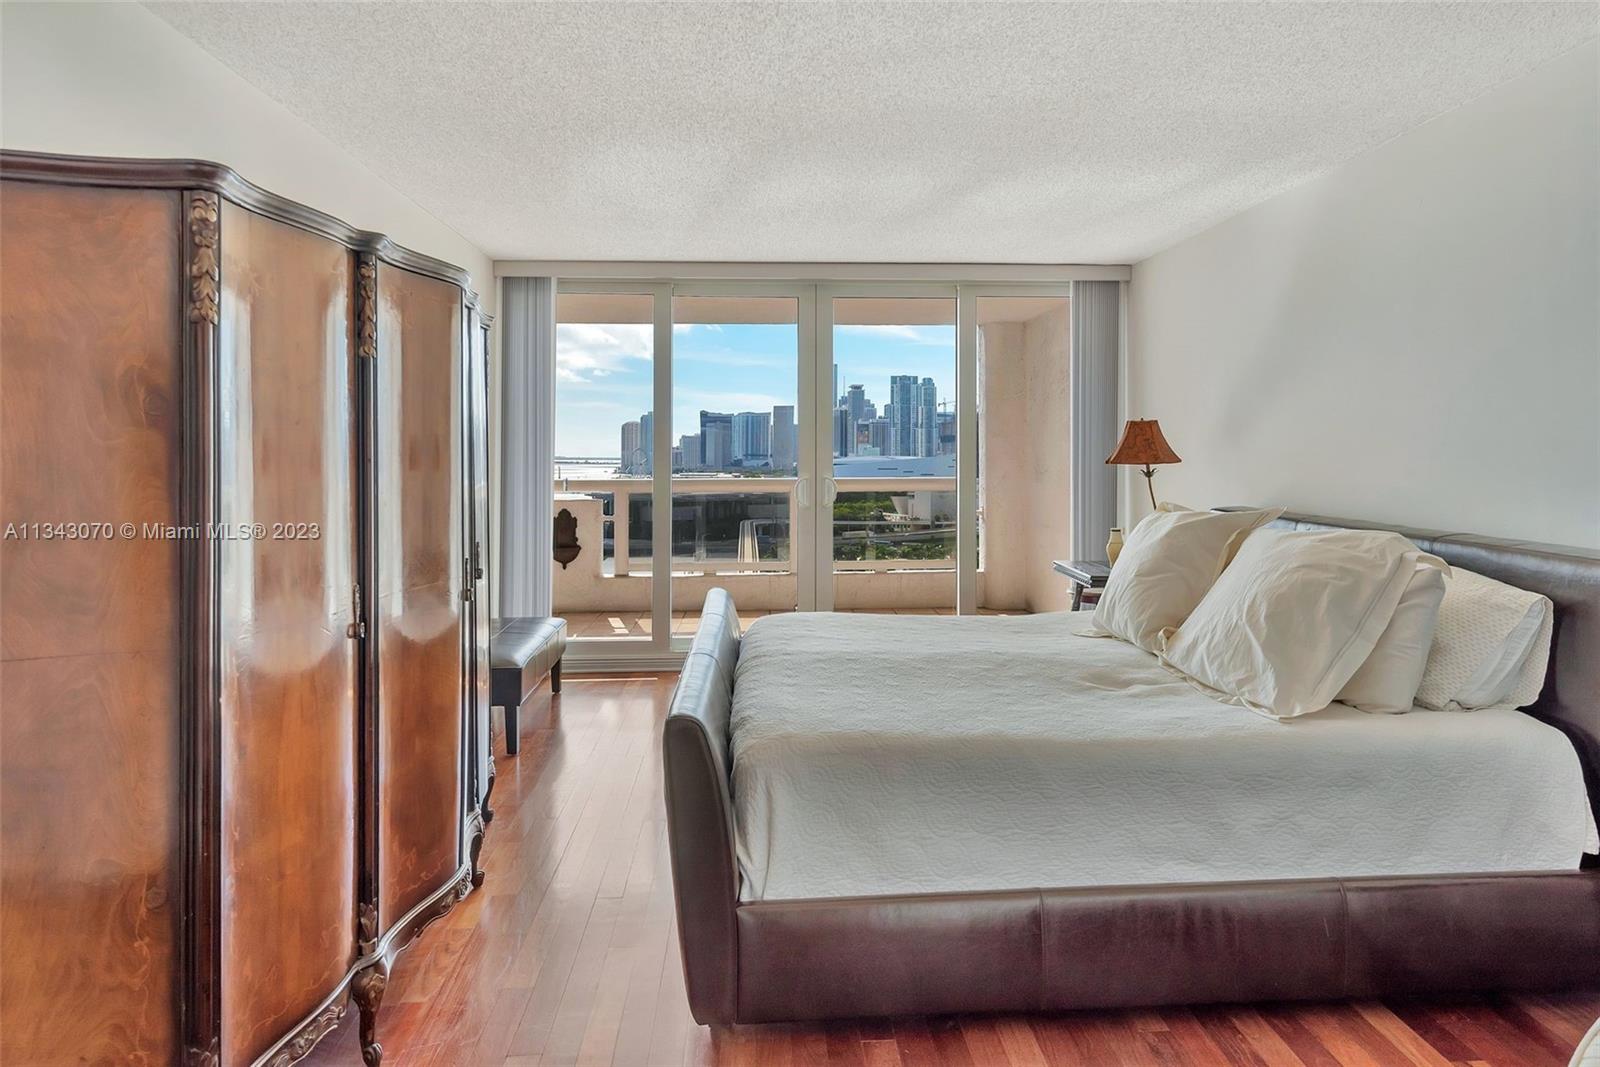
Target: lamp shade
point(1143, 445)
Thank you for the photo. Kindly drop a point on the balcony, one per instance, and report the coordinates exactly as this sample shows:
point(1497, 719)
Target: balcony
point(893, 548)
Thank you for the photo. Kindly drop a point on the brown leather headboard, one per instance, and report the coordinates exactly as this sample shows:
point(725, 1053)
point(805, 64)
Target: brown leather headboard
point(1570, 577)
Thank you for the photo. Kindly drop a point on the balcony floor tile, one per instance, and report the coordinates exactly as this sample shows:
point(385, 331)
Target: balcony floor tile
point(611, 624)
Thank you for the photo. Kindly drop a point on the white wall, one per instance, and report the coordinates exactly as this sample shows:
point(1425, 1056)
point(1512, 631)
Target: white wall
point(1049, 420)
point(1413, 337)
point(111, 79)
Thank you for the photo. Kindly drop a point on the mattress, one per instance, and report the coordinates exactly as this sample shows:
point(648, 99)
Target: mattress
point(879, 755)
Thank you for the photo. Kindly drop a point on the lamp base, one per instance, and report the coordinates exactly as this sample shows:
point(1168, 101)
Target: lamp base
point(1150, 484)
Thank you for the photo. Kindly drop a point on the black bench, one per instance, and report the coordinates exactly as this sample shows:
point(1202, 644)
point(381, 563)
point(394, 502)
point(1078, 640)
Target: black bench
point(521, 652)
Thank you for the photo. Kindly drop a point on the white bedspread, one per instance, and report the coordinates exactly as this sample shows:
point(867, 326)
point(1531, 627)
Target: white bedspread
point(914, 754)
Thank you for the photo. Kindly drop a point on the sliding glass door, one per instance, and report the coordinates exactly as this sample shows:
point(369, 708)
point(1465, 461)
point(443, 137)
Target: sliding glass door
point(739, 473)
point(604, 511)
point(861, 447)
point(889, 454)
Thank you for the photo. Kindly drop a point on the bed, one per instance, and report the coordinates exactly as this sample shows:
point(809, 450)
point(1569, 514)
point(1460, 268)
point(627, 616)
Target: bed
point(920, 815)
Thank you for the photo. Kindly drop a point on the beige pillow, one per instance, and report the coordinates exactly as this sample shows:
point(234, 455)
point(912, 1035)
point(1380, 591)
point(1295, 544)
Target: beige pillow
point(1168, 562)
point(1491, 648)
point(1387, 682)
point(1293, 617)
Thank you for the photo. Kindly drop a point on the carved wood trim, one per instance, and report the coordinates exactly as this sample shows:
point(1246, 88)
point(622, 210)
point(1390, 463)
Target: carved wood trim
point(305, 1039)
point(203, 175)
point(367, 306)
point(314, 1027)
point(367, 928)
point(204, 210)
point(200, 1005)
point(399, 937)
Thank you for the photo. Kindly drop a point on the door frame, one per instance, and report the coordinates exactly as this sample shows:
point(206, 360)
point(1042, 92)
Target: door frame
point(814, 287)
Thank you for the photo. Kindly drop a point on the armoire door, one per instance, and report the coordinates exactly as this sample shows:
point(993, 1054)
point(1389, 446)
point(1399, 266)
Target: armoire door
point(91, 777)
point(418, 606)
point(288, 662)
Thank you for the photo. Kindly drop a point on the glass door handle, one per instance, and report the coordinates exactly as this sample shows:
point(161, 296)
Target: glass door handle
point(830, 491)
point(802, 492)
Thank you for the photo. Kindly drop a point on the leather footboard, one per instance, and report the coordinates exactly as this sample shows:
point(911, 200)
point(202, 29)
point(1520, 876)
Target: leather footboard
point(927, 955)
point(1064, 949)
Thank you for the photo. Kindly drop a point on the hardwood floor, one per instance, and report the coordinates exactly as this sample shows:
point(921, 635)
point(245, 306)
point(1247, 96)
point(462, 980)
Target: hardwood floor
point(568, 955)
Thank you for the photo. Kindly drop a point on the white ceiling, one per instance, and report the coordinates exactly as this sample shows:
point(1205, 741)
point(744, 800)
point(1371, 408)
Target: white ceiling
point(985, 132)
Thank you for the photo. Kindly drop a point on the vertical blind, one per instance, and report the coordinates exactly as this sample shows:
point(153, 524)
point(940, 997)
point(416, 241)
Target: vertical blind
point(528, 343)
point(1096, 320)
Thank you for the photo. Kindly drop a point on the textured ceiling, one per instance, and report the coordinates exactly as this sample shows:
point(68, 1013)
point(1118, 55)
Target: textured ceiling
point(988, 132)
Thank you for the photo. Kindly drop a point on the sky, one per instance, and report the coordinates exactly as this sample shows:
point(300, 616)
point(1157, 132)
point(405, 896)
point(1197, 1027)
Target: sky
point(603, 372)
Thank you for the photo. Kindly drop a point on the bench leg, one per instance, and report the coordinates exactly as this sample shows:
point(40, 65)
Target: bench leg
point(555, 677)
point(513, 741)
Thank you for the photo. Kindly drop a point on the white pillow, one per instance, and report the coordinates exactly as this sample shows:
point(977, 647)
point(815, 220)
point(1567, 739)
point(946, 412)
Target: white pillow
point(1168, 562)
point(1293, 617)
point(1387, 682)
point(1491, 647)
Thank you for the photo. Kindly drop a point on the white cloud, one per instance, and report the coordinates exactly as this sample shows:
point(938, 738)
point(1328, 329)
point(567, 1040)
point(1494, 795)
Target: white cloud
point(586, 351)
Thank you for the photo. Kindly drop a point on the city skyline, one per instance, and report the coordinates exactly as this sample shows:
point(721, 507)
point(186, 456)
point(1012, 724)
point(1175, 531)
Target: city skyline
point(605, 374)
point(916, 423)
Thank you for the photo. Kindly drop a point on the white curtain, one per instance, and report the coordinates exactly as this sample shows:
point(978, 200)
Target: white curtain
point(1096, 320)
point(528, 344)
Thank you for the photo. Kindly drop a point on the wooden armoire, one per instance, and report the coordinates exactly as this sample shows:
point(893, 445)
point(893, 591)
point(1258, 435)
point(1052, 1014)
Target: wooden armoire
point(243, 617)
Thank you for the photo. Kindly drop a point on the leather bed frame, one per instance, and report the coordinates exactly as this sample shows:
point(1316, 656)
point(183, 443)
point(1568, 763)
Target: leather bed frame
point(1124, 946)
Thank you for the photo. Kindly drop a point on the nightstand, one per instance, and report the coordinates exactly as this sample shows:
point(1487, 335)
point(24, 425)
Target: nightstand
point(1086, 576)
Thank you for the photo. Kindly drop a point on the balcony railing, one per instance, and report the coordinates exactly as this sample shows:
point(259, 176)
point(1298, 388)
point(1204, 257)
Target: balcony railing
point(893, 540)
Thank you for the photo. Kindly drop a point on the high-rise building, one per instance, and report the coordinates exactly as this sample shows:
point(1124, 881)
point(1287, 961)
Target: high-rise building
point(647, 440)
point(716, 445)
point(927, 418)
point(688, 453)
point(752, 438)
point(855, 399)
point(723, 423)
point(843, 434)
point(784, 448)
point(903, 420)
point(878, 436)
point(632, 459)
point(855, 402)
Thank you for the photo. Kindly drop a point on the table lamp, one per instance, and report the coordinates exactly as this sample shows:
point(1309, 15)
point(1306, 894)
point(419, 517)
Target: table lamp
point(1143, 445)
